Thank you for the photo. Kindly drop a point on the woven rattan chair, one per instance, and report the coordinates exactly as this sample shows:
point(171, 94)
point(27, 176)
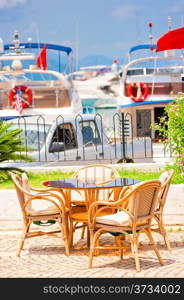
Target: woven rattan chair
point(131, 221)
point(52, 208)
point(99, 174)
point(165, 179)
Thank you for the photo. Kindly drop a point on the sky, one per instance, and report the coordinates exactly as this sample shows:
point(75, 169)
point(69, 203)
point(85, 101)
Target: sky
point(90, 27)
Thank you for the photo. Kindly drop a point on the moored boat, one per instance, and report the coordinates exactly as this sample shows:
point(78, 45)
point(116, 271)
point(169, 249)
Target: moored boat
point(29, 86)
point(97, 86)
point(149, 83)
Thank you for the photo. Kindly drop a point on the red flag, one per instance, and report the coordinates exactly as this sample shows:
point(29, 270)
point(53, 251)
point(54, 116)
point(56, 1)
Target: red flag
point(173, 39)
point(42, 59)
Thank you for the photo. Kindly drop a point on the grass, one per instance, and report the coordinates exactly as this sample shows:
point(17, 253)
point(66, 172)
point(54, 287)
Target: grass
point(37, 179)
point(177, 178)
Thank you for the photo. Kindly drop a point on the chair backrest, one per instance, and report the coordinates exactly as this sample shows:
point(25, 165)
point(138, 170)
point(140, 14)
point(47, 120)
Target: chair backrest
point(17, 180)
point(26, 187)
point(165, 179)
point(97, 173)
point(143, 198)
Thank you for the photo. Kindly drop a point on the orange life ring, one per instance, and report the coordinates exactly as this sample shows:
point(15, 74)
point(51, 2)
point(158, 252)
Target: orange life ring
point(138, 91)
point(26, 102)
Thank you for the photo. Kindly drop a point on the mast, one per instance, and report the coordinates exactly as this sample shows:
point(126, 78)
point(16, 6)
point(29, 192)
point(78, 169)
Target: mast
point(169, 23)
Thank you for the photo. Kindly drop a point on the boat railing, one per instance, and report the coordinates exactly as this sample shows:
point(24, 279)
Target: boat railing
point(161, 88)
point(42, 97)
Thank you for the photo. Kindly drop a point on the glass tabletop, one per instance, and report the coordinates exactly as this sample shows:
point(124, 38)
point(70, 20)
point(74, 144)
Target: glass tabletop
point(78, 184)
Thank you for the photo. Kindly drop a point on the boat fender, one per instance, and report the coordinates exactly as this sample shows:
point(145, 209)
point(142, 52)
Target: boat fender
point(25, 102)
point(141, 93)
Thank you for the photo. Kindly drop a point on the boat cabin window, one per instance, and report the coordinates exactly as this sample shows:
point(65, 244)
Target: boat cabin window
point(65, 134)
point(135, 72)
point(90, 133)
point(149, 71)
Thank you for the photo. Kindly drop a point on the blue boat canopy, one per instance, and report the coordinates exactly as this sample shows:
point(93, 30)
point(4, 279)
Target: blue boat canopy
point(68, 50)
point(7, 118)
point(140, 47)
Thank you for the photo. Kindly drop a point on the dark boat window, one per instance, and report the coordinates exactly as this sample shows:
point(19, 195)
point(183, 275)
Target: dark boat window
point(90, 133)
point(149, 71)
point(135, 72)
point(65, 134)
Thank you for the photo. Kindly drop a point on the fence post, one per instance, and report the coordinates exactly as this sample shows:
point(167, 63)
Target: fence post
point(123, 133)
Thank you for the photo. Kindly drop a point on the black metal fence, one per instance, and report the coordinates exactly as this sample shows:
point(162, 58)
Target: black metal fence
point(85, 138)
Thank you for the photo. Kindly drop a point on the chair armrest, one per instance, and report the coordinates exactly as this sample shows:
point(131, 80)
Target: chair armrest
point(118, 204)
point(47, 190)
point(93, 209)
point(46, 197)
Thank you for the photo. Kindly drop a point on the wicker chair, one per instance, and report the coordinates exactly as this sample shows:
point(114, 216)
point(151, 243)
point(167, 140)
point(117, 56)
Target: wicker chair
point(57, 211)
point(131, 221)
point(99, 174)
point(165, 179)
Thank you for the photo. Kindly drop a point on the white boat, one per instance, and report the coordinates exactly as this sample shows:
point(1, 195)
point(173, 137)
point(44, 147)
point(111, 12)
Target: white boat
point(53, 124)
point(43, 91)
point(97, 86)
point(149, 83)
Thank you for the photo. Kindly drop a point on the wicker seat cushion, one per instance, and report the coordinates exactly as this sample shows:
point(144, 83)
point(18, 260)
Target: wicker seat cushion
point(52, 210)
point(120, 218)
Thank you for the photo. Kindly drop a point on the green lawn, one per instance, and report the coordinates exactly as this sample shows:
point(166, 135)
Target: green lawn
point(177, 178)
point(37, 179)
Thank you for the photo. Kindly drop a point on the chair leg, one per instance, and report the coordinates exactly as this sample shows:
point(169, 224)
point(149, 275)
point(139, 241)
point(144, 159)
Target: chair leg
point(167, 242)
point(118, 243)
point(162, 231)
point(154, 246)
point(96, 251)
point(83, 232)
point(71, 230)
point(134, 247)
point(164, 234)
point(136, 256)
point(93, 240)
point(21, 243)
point(90, 257)
point(88, 237)
point(65, 237)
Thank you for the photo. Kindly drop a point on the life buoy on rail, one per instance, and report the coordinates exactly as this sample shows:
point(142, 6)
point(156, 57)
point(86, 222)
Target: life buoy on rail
point(25, 102)
point(138, 91)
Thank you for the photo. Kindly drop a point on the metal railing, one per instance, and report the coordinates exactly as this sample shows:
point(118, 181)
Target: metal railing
point(84, 138)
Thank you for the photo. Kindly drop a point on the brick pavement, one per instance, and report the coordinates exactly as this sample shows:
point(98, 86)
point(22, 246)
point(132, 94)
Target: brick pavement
point(44, 257)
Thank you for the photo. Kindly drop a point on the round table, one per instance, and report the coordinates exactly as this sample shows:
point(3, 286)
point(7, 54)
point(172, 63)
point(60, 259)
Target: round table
point(90, 188)
point(91, 192)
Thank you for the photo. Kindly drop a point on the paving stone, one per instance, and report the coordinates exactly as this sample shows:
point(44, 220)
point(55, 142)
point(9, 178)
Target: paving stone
point(44, 257)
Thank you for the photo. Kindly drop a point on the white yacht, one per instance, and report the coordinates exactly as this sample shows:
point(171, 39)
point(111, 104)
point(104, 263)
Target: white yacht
point(149, 83)
point(41, 90)
point(98, 86)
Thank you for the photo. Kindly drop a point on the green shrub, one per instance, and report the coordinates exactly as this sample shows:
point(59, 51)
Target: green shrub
point(171, 130)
